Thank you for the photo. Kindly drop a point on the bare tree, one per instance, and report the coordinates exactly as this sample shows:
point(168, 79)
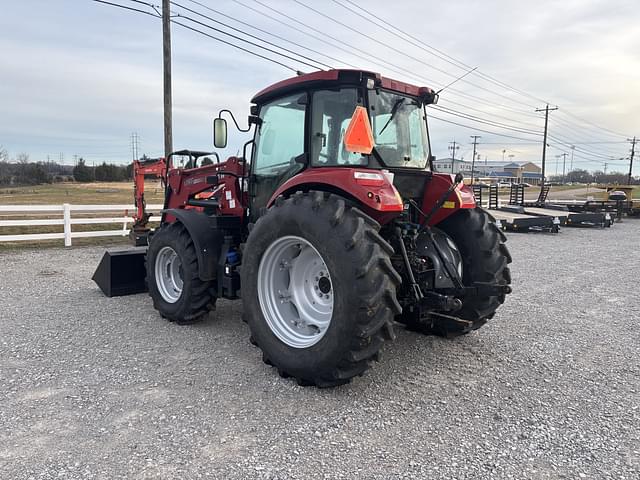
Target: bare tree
point(4, 155)
point(5, 168)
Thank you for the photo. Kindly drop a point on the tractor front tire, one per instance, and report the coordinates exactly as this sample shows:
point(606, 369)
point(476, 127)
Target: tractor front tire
point(174, 285)
point(318, 289)
point(485, 260)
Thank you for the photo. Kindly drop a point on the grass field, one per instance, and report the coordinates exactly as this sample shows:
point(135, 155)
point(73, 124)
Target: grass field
point(106, 193)
point(79, 193)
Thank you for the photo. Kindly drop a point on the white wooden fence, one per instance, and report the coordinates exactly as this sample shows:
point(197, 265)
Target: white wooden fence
point(66, 210)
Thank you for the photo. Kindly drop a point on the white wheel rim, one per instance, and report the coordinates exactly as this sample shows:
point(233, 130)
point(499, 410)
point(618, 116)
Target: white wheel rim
point(295, 292)
point(168, 270)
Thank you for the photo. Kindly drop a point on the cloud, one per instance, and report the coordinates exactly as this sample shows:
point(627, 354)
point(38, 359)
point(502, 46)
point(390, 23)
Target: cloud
point(79, 77)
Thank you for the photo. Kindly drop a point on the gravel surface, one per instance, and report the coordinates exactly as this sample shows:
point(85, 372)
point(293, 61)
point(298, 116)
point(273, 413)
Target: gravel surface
point(92, 387)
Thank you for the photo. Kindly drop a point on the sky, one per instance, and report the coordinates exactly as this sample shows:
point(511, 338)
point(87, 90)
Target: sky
point(79, 77)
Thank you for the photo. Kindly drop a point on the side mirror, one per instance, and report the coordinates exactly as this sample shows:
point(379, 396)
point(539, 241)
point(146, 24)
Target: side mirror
point(220, 133)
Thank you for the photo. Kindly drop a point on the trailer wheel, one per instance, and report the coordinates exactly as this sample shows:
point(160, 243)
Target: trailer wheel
point(485, 260)
point(177, 291)
point(318, 289)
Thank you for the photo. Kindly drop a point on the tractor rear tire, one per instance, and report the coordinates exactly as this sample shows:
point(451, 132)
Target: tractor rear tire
point(174, 285)
point(485, 260)
point(330, 238)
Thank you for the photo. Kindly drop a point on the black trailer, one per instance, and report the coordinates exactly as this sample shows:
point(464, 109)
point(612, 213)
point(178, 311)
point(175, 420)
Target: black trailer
point(561, 217)
point(521, 222)
point(580, 218)
point(574, 213)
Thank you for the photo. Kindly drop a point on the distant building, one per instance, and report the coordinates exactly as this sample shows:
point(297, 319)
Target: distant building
point(450, 165)
point(512, 172)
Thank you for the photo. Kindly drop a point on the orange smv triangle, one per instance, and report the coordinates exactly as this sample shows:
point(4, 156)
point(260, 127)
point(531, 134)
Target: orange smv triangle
point(359, 137)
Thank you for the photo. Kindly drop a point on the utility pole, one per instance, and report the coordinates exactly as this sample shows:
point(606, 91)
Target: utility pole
point(573, 148)
point(605, 168)
point(544, 141)
point(564, 160)
point(166, 56)
point(473, 158)
point(453, 146)
point(134, 146)
point(633, 151)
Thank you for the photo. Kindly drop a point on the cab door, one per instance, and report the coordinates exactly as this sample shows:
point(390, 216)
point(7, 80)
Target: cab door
point(279, 148)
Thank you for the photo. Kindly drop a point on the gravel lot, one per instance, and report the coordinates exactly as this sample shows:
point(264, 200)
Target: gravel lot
point(92, 387)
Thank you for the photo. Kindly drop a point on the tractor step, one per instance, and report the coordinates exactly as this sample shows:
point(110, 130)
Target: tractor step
point(122, 272)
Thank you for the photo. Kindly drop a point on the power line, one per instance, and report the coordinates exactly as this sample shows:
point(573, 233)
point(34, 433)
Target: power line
point(235, 37)
point(241, 22)
point(129, 8)
point(486, 122)
point(288, 67)
point(367, 36)
point(249, 35)
point(398, 69)
point(394, 67)
point(476, 129)
point(246, 50)
point(401, 52)
point(448, 58)
point(431, 49)
point(367, 56)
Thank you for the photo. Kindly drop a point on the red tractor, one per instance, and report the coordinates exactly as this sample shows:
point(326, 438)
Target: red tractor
point(334, 228)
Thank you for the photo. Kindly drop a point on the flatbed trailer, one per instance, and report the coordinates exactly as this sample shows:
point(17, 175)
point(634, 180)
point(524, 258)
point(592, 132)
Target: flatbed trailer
point(521, 222)
point(574, 219)
point(560, 215)
point(590, 219)
point(582, 215)
point(580, 206)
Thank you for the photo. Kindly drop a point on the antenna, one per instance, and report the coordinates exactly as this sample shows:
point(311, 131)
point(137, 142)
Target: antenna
point(459, 78)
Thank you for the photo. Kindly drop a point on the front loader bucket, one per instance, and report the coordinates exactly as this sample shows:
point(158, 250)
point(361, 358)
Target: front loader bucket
point(122, 272)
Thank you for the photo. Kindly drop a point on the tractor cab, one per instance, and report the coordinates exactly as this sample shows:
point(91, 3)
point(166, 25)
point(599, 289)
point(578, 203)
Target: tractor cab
point(338, 119)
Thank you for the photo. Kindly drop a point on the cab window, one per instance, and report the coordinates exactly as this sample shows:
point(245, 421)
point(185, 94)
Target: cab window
point(281, 136)
point(331, 112)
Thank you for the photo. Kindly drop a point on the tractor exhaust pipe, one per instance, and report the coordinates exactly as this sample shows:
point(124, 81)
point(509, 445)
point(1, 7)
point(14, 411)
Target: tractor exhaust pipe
point(122, 272)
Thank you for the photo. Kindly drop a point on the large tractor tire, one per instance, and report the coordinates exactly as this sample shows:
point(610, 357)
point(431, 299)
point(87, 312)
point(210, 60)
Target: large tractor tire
point(485, 260)
point(318, 289)
point(177, 291)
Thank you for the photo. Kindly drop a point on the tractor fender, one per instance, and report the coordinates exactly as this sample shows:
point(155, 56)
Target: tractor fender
point(461, 197)
point(375, 195)
point(207, 239)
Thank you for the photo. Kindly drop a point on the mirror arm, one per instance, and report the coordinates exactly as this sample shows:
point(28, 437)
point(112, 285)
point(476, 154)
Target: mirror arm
point(234, 120)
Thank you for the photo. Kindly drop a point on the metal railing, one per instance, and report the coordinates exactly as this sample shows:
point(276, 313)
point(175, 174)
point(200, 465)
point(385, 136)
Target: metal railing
point(66, 220)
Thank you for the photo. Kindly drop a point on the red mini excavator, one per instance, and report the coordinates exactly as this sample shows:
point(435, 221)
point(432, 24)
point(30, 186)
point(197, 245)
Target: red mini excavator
point(141, 168)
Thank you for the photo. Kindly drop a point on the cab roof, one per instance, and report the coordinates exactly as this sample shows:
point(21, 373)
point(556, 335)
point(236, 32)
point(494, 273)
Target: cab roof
point(333, 78)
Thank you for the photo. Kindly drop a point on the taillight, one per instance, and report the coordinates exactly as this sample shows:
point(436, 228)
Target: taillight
point(369, 179)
